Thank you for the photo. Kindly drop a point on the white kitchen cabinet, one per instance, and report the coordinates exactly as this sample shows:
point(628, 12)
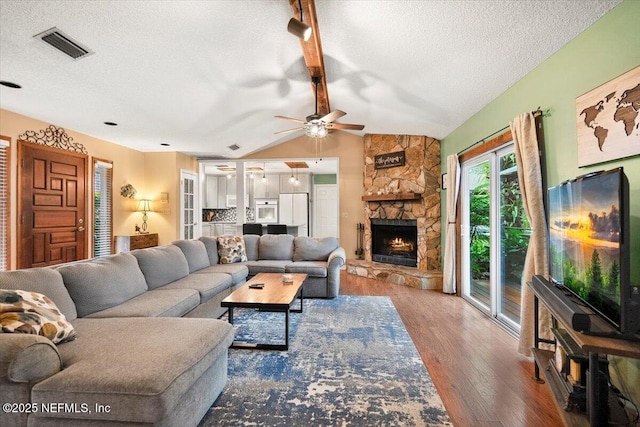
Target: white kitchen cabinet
point(304, 185)
point(216, 229)
point(266, 190)
point(222, 192)
point(229, 229)
point(211, 192)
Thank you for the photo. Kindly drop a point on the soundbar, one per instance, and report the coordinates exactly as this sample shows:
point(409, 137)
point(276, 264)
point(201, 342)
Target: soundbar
point(561, 305)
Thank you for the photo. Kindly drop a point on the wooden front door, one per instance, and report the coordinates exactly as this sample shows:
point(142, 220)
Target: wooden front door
point(51, 222)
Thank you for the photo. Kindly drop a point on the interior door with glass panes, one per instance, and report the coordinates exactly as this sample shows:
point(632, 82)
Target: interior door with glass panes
point(189, 209)
point(495, 235)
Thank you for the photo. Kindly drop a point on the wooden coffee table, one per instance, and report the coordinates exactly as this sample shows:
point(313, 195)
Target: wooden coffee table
point(275, 296)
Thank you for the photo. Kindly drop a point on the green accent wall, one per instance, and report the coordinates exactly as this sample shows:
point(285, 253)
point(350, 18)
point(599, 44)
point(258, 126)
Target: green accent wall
point(325, 178)
point(607, 49)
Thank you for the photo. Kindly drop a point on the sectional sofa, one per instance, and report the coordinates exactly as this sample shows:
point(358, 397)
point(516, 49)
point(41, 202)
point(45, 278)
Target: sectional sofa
point(148, 347)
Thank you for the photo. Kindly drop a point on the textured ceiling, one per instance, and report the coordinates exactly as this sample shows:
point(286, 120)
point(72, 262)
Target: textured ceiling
point(203, 75)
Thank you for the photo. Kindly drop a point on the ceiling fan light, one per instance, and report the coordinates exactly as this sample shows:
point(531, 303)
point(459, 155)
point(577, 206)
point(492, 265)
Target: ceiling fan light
point(299, 29)
point(322, 131)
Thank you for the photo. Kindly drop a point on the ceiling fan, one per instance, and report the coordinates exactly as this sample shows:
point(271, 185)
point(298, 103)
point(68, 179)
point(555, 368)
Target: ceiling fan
point(316, 125)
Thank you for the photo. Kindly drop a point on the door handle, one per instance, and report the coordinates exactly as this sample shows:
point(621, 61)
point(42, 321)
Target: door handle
point(81, 228)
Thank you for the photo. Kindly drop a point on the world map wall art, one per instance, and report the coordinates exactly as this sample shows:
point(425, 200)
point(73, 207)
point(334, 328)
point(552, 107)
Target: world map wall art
point(608, 119)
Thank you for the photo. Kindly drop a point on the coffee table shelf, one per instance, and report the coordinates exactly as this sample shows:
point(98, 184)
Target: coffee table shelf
point(275, 296)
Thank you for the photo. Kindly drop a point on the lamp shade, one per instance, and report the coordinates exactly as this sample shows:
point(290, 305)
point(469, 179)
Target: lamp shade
point(144, 205)
point(299, 29)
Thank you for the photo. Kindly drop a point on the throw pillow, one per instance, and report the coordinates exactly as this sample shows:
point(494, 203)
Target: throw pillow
point(231, 249)
point(26, 312)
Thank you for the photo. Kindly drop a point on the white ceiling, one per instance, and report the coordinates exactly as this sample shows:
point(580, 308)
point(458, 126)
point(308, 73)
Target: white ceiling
point(202, 75)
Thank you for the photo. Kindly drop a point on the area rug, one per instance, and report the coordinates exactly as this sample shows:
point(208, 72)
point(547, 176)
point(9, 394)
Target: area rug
point(350, 362)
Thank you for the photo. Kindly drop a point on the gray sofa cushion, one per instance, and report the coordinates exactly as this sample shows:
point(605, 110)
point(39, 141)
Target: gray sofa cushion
point(311, 268)
point(311, 249)
point(195, 252)
point(102, 283)
point(238, 272)
point(207, 285)
point(46, 281)
point(156, 303)
point(266, 266)
point(211, 244)
point(140, 369)
point(251, 242)
point(276, 247)
point(161, 265)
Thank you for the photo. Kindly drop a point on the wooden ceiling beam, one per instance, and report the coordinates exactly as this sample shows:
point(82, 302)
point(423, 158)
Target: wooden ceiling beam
point(312, 51)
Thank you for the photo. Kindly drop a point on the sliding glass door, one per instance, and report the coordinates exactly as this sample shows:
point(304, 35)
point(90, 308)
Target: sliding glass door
point(495, 235)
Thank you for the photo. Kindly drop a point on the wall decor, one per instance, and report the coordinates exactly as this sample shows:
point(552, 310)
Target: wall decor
point(390, 160)
point(55, 137)
point(128, 191)
point(608, 120)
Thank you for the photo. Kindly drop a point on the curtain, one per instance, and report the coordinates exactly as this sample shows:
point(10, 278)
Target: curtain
point(453, 185)
point(523, 129)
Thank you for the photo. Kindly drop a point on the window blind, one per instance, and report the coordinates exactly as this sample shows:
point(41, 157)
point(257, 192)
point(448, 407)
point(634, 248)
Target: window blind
point(4, 203)
point(102, 208)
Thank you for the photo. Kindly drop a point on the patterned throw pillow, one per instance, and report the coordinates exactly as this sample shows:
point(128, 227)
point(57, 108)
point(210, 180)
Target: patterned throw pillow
point(231, 249)
point(26, 312)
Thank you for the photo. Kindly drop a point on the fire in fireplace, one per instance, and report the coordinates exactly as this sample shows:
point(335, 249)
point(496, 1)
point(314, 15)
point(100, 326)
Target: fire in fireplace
point(394, 241)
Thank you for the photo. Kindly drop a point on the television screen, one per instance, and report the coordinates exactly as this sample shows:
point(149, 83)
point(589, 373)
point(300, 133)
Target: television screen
point(585, 235)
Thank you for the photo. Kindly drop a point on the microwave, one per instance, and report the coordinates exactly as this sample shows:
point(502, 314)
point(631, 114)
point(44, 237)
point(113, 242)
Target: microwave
point(266, 211)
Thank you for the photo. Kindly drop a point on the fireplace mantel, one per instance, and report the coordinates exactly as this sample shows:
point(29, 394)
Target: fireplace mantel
point(391, 197)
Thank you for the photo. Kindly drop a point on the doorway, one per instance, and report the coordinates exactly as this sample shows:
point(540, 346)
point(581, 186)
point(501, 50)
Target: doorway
point(495, 235)
point(325, 218)
point(189, 205)
point(52, 206)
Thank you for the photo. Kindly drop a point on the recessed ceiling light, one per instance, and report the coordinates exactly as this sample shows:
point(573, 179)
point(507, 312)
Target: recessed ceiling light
point(164, 144)
point(10, 84)
point(110, 124)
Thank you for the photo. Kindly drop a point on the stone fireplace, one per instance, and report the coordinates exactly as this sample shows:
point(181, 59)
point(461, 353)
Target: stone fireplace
point(399, 196)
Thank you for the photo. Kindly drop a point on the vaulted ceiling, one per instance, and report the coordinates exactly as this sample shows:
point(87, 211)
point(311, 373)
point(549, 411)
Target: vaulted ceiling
point(204, 75)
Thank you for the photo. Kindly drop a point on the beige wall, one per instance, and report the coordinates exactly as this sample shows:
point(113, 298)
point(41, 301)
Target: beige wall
point(162, 174)
point(349, 149)
point(149, 173)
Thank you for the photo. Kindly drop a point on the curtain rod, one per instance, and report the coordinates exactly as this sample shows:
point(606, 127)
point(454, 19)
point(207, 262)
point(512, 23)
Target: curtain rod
point(535, 113)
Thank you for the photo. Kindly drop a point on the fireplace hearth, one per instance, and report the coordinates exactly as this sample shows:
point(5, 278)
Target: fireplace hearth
point(394, 241)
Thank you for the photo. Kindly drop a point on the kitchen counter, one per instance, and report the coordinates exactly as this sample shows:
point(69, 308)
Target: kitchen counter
point(293, 229)
point(219, 228)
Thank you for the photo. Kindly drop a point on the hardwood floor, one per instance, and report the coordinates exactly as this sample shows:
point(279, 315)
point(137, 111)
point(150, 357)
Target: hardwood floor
point(474, 364)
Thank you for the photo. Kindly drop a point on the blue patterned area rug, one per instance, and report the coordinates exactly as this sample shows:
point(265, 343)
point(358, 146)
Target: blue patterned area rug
point(350, 362)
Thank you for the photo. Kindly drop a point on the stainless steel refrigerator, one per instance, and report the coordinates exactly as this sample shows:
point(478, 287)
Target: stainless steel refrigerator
point(293, 209)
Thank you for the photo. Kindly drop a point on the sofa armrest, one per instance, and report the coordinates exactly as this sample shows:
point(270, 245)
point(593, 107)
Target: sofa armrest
point(336, 260)
point(28, 358)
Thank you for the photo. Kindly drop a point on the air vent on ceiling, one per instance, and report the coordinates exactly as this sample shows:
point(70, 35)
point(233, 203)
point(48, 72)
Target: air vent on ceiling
point(65, 44)
point(233, 147)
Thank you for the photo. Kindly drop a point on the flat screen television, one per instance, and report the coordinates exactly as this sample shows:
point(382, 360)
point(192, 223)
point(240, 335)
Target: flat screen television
point(589, 247)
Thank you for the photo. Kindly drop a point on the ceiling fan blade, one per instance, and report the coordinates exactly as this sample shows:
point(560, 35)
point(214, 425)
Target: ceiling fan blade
point(288, 130)
point(344, 126)
point(290, 118)
point(334, 115)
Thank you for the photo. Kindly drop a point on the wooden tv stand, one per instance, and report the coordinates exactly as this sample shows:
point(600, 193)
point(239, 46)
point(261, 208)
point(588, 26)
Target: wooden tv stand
point(597, 414)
